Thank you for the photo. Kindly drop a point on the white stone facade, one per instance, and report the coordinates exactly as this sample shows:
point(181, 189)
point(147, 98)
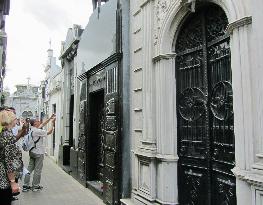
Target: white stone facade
point(55, 106)
point(51, 101)
point(71, 85)
point(154, 25)
point(25, 101)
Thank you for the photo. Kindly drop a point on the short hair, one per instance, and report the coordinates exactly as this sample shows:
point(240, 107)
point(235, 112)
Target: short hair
point(3, 108)
point(32, 121)
point(12, 109)
point(7, 117)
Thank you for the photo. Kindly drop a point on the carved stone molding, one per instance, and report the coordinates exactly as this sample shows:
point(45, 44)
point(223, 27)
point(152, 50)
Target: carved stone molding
point(160, 9)
point(167, 158)
point(144, 154)
point(252, 178)
point(164, 56)
point(238, 23)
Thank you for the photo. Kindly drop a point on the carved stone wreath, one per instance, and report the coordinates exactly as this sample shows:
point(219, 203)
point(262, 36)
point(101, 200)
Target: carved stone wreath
point(192, 104)
point(222, 101)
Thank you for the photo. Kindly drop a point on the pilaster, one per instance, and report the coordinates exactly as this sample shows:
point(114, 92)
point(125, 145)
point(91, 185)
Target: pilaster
point(166, 128)
point(242, 92)
point(144, 186)
point(66, 101)
point(148, 140)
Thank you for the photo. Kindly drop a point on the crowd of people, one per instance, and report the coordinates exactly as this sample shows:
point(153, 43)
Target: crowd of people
point(12, 167)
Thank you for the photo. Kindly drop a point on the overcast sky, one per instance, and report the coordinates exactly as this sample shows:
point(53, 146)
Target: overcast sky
point(29, 26)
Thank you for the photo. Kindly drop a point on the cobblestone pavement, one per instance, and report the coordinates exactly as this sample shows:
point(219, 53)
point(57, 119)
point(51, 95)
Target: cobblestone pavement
point(59, 189)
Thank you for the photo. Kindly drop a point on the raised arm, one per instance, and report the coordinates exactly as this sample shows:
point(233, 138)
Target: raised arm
point(22, 132)
point(52, 127)
point(46, 121)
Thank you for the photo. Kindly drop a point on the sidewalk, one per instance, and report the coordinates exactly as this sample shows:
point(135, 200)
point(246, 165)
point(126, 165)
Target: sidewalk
point(59, 189)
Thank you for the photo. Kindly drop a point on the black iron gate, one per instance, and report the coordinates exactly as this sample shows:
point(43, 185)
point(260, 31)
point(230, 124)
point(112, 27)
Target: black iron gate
point(205, 110)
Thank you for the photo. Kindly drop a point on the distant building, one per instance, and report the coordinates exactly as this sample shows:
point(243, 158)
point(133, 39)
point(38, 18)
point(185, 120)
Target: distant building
point(25, 100)
point(50, 100)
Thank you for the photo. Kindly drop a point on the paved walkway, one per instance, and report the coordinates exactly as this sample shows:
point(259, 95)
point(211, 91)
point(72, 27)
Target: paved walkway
point(59, 189)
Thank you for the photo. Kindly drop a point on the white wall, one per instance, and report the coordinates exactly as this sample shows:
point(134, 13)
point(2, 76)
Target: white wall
point(55, 98)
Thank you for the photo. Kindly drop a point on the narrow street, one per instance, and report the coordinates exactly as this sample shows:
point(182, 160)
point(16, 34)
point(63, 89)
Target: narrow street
point(59, 189)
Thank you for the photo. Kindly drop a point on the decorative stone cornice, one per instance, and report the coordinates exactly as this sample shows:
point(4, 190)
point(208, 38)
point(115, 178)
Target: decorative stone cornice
point(238, 23)
point(70, 52)
point(164, 56)
point(159, 157)
point(167, 158)
point(147, 155)
point(250, 177)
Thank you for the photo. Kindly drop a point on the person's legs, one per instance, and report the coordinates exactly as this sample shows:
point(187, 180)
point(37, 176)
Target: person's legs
point(31, 167)
point(38, 169)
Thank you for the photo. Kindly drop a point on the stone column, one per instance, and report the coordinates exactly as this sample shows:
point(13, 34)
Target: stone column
point(166, 129)
point(240, 42)
point(66, 101)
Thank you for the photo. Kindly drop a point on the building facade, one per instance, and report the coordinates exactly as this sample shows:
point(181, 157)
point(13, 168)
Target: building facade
point(101, 97)
point(68, 61)
point(25, 101)
point(196, 113)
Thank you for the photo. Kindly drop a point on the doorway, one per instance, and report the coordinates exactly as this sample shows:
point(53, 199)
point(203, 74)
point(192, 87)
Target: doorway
point(205, 109)
point(96, 140)
point(71, 113)
point(54, 109)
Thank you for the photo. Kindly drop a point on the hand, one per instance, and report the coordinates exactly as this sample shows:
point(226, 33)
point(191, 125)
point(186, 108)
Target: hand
point(15, 187)
point(53, 116)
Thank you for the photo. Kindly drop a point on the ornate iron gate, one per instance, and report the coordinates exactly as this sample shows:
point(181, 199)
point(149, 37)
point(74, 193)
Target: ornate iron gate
point(205, 110)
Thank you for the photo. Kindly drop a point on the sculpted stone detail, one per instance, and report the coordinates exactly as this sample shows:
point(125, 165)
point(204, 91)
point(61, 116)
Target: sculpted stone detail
point(161, 9)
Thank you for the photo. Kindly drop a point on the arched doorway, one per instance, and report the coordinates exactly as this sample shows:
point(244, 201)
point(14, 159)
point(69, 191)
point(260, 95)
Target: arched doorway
point(205, 110)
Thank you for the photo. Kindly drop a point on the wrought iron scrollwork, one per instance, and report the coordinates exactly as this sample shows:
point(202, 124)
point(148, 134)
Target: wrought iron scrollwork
point(215, 30)
point(190, 36)
point(192, 104)
point(226, 191)
point(193, 182)
point(205, 109)
point(221, 101)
